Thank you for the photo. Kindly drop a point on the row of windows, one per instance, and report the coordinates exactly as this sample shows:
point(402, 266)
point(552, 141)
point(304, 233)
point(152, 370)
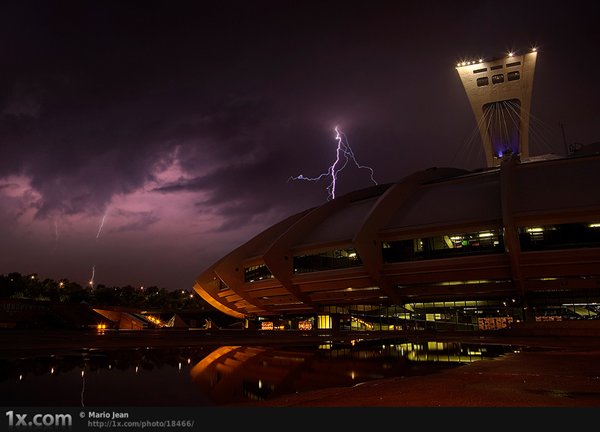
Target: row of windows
point(329, 260)
point(496, 67)
point(498, 78)
point(473, 243)
point(561, 236)
point(445, 246)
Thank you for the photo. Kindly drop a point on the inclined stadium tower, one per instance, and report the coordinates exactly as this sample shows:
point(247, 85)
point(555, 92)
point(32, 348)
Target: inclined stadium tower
point(442, 248)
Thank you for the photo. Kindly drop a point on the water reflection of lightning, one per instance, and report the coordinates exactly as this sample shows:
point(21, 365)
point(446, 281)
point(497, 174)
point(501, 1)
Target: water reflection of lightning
point(82, 385)
point(344, 151)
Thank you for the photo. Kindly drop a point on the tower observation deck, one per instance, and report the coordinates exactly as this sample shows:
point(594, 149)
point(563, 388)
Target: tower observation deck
point(499, 91)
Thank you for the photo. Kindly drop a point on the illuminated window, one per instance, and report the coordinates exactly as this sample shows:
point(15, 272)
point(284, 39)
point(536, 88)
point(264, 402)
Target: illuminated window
point(305, 325)
point(497, 79)
point(324, 322)
point(267, 325)
point(256, 273)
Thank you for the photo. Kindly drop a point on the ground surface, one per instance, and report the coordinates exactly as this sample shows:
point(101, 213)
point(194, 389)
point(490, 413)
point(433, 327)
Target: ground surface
point(546, 371)
point(556, 378)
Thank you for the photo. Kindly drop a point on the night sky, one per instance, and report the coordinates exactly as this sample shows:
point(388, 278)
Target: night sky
point(143, 140)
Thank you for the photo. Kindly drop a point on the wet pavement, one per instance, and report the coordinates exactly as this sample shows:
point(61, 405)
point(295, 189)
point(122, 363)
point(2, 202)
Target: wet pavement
point(549, 367)
point(545, 369)
point(539, 378)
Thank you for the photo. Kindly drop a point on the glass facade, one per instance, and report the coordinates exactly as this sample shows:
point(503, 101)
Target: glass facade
point(466, 314)
point(563, 305)
point(561, 236)
point(327, 260)
point(547, 303)
point(256, 273)
point(443, 246)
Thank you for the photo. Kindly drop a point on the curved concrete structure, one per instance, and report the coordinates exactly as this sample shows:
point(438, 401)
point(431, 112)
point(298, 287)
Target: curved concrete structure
point(499, 91)
point(517, 233)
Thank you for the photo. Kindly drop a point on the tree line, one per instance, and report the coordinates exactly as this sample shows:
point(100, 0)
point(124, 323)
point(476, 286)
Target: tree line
point(17, 286)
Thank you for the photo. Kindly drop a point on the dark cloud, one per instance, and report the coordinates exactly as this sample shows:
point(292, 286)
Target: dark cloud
point(137, 221)
point(212, 106)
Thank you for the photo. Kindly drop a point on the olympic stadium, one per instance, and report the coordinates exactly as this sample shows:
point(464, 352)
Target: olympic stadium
point(442, 248)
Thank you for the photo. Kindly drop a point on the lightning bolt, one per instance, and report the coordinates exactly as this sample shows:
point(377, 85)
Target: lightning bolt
point(343, 155)
point(101, 225)
point(92, 278)
point(91, 282)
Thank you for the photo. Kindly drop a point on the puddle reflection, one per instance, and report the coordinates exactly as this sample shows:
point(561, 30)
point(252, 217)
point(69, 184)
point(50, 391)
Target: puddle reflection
point(205, 376)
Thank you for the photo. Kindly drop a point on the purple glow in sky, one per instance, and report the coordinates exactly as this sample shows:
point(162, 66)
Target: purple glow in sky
point(144, 140)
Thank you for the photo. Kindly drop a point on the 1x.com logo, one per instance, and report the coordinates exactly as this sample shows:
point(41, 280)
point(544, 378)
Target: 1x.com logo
point(18, 420)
